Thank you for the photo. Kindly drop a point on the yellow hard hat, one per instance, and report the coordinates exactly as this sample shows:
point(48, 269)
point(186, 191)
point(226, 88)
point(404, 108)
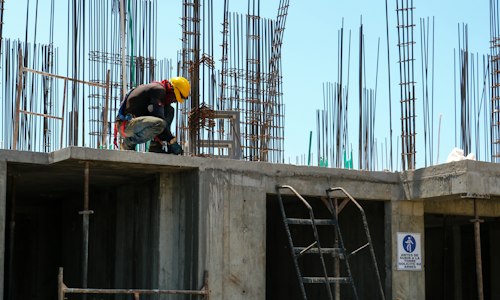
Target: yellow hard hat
point(182, 88)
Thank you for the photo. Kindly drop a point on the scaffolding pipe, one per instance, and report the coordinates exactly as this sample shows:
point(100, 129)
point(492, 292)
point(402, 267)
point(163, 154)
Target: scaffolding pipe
point(18, 98)
point(105, 113)
point(85, 227)
point(477, 242)
point(62, 290)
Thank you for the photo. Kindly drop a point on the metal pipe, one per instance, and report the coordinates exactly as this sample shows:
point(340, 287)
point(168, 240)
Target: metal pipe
point(105, 114)
point(63, 113)
point(336, 265)
point(85, 226)
point(60, 284)
point(63, 290)
point(477, 243)
point(133, 291)
point(18, 99)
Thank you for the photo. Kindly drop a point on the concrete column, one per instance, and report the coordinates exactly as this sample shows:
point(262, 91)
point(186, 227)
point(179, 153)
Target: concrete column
point(233, 234)
point(3, 200)
point(406, 216)
point(169, 239)
point(178, 233)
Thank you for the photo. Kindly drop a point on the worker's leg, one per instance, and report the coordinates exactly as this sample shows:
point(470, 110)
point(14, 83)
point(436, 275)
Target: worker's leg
point(140, 130)
point(156, 146)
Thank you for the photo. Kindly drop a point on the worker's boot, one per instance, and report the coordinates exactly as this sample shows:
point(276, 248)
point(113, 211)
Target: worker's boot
point(156, 147)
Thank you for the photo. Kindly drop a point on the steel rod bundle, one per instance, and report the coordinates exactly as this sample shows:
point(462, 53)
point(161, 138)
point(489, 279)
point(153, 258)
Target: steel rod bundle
point(248, 82)
point(407, 83)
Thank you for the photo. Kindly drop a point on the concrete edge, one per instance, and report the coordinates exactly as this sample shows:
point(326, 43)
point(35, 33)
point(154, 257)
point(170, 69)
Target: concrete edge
point(187, 162)
point(437, 182)
point(17, 156)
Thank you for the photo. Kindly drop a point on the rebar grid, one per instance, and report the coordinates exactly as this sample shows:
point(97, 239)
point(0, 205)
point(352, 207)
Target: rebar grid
point(494, 60)
point(249, 81)
point(38, 95)
point(405, 26)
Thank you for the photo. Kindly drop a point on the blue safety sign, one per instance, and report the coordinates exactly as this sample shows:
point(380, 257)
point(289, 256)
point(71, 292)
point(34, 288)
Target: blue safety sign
point(409, 243)
point(409, 255)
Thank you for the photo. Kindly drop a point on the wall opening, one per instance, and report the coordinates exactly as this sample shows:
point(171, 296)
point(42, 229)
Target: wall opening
point(450, 263)
point(281, 278)
point(31, 262)
point(47, 234)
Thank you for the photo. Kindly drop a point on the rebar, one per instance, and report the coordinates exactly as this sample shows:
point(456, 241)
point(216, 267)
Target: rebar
point(405, 26)
point(494, 60)
point(249, 80)
point(427, 87)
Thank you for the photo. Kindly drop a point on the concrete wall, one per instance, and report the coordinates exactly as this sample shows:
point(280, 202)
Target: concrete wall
point(232, 226)
point(406, 216)
point(189, 215)
point(177, 248)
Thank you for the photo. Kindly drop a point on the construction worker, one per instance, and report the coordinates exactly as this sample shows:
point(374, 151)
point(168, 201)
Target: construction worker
point(146, 114)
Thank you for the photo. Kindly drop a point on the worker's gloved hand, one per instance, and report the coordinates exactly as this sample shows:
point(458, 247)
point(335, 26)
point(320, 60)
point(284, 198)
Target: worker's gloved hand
point(174, 148)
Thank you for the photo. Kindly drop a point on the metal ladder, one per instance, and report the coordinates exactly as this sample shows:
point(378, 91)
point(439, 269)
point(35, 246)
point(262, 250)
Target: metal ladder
point(338, 252)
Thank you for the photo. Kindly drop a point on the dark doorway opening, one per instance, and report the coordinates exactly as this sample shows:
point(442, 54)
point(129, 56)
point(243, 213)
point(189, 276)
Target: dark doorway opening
point(450, 261)
point(44, 231)
point(281, 278)
point(31, 262)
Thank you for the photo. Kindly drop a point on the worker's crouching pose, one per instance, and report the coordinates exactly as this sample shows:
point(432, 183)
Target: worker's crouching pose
point(146, 114)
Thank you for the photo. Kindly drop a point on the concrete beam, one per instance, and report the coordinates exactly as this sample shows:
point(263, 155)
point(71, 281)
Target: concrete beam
point(307, 180)
point(450, 181)
point(463, 207)
point(24, 157)
point(446, 181)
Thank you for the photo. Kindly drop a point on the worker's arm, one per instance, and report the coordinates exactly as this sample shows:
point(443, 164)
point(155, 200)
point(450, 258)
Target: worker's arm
point(156, 103)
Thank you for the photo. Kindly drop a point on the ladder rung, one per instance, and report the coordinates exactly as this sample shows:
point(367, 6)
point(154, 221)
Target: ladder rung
point(336, 252)
point(296, 221)
point(322, 280)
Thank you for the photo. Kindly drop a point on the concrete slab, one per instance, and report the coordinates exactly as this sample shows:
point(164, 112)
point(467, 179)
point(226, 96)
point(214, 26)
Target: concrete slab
point(211, 213)
point(108, 164)
point(441, 181)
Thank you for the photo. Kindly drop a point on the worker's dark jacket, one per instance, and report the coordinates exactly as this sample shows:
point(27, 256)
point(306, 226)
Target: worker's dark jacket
point(152, 100)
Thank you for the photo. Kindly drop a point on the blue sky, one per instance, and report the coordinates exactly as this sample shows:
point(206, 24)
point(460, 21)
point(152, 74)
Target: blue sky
point(309, 57)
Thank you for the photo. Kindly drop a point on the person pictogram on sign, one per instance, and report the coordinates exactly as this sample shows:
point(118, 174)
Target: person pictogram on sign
point(409, 242)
